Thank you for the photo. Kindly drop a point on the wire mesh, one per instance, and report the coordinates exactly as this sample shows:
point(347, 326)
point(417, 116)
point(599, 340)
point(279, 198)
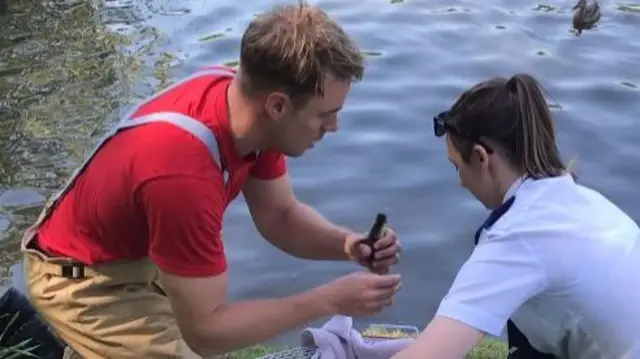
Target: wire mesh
point(293, 353)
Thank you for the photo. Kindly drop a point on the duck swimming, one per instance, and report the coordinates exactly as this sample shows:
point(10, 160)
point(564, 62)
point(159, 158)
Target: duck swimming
point(585, 16)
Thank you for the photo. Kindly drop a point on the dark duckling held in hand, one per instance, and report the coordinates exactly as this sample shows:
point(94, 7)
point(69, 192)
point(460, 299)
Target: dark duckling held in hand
point(585, 16)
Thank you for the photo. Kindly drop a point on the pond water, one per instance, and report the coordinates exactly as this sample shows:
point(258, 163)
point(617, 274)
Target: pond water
point(69, 69)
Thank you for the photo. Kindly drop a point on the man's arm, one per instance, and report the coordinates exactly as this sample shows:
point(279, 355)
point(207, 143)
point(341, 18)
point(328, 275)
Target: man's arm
point(212, 327)
point(290, 225)
point(186, 247)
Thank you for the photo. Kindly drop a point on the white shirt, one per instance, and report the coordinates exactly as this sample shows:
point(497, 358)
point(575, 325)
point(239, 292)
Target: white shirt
point(564, 264)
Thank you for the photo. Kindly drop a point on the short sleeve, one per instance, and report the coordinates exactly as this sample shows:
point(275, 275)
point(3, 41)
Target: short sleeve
point(269, 165)
point(501, 274)
point(184, 217)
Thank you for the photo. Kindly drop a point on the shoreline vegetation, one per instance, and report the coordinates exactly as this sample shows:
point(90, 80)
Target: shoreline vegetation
point(29, 347)
point(24, 334)
point(66, 68)
point(487, 349)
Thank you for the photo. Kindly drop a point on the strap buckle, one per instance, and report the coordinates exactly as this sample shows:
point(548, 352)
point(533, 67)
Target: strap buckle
point(73, 270)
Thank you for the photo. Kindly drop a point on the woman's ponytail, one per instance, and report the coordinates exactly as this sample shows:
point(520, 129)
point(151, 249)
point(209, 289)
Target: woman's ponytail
point(536, 145)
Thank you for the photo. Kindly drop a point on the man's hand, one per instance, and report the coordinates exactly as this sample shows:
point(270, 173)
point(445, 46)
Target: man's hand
point(212, 327)
point(386, 251)
point(360, 293)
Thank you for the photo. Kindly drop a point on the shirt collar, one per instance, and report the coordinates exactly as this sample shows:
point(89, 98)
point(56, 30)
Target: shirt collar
point(513, 188)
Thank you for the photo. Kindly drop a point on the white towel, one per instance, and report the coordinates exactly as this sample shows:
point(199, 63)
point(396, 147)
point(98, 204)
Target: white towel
point(337, 339)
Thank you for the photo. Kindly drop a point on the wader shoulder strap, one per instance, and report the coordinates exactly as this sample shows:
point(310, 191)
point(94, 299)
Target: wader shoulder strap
point(186, 123)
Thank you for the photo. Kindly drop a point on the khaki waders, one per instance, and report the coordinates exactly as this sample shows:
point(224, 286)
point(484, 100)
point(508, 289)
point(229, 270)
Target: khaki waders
point(113, 310)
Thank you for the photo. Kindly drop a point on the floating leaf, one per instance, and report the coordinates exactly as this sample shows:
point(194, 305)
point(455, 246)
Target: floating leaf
point(233, 64)
point(635, 8)
point(545, 8)
point(371, 53)
point(211, 37)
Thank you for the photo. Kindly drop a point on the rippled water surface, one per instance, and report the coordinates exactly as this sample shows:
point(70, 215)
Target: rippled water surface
point(69, 68)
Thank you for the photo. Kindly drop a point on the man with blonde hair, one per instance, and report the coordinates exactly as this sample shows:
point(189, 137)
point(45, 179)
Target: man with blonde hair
point(128, 261)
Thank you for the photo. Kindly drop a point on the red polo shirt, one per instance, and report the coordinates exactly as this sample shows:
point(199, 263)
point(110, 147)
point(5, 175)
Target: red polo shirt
point(155, 191)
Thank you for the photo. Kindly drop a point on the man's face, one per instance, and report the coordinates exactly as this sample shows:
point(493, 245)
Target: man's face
point(297, 130)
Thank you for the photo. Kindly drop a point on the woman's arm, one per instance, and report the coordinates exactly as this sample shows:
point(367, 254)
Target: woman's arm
point(501, 274)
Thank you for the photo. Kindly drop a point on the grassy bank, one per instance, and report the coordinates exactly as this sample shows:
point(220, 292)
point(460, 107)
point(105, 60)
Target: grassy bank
point(489, 349)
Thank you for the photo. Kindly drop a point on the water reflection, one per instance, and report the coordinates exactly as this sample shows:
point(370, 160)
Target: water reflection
point(68, 72)
point(62, 73)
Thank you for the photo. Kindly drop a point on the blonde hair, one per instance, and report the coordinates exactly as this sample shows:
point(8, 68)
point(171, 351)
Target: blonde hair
point(293, 48)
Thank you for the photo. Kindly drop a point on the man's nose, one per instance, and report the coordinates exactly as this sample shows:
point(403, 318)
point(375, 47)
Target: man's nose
point(332, 127)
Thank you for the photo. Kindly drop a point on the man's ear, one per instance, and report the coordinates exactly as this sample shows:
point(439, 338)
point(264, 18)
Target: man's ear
point(277, 105)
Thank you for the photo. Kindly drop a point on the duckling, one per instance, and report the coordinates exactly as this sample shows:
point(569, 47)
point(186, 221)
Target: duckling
point(585, 16)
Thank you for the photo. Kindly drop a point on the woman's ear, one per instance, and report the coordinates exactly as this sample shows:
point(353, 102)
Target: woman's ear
point(480, 155)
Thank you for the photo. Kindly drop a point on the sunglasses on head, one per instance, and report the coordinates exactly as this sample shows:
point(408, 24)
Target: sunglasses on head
point(441, 125)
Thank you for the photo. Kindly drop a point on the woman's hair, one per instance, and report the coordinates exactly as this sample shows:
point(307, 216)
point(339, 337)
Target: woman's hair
point(514, 115)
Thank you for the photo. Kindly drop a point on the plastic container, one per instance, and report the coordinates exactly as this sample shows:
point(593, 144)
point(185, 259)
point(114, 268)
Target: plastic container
point(390, 331)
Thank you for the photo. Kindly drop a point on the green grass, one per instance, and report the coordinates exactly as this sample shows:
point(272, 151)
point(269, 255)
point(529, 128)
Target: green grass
point(20, 350)
point(488, 349)
point(254, 352)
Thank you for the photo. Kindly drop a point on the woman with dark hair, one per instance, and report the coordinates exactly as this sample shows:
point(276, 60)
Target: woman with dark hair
point(557, 263)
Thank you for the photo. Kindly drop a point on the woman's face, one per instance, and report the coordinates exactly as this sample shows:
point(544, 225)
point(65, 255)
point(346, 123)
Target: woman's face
point(474, 175)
